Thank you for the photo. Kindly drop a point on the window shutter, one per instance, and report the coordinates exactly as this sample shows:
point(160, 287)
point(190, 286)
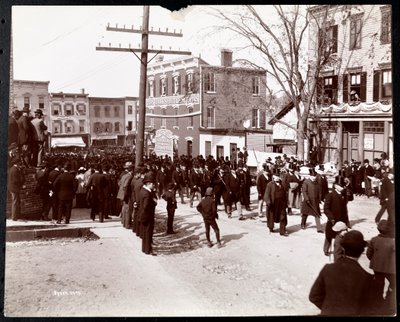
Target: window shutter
point(345, 88)
point(178, 90)
point(148, 89)
point(262, 119)
point(334, 38)
point(363, 89)
point(334, 89)
point(166, 87)
point(377, 76)
point(206, 81)
point(186, 84)
point(160, 85)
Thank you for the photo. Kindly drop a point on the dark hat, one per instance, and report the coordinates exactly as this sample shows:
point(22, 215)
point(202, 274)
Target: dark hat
point(312, 172)
point(43, 164)
point(26, 109)
point(209, 191)
point(17, 112)
point(148, 178)
point(353, 243)
point(170, 186)
point(366, 161)
point(345, 162)
point(340, 180)
point(291, 166)
point(39, 111)
point(321, 167)
point(240, 164)
point(383, 226)
point(275, 171)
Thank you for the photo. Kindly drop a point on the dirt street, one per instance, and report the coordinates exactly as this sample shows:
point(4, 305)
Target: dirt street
point(255, 273)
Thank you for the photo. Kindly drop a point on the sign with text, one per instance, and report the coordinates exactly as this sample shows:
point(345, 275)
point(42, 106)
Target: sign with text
point(163, 143)
point(173, 100)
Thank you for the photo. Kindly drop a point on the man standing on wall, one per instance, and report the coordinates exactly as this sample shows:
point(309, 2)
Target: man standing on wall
point(38, 138)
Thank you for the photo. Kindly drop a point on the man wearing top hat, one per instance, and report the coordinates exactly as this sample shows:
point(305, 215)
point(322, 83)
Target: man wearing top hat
point(38, 138)
point(311, 199)
point(276, 199)
point(25, 136)
point(335, 208)
point(292, 183)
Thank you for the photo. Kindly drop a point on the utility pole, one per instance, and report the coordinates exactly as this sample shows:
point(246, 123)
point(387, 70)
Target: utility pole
point(144, 50)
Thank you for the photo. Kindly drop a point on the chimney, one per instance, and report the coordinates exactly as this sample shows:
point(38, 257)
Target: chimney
point(159, 58)
point(83, 90)
point(226, 58)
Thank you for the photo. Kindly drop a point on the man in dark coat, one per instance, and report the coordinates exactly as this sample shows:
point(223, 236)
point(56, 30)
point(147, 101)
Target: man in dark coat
point(369, 172)
point(208, 209)
point(262, 180)
point(195, 179)
point(53, 174)
point(311, 200)
point(97, 184)
point(39, 137)
point(16, 180)
point(146, 213)
point(13, 127)
point(65, 187)
point(235, 182)
point(344, 288)
point(335, 208)
point(387, 187)
point(177, 179)
point(276, 199)
point(136, 186)
point(43, 188)
point(25, 135)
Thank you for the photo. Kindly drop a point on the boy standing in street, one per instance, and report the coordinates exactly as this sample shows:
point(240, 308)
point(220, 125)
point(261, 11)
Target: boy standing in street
point(208, 209)
point(170, 198)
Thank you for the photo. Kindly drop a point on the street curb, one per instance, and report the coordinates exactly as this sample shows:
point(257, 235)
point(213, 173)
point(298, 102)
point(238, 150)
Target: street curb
point(35, 234)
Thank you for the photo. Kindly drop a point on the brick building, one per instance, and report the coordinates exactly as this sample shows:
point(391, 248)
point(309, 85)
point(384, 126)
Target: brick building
point(131, 119)
point(107, 121)
point(206, 106)
point(354, 96)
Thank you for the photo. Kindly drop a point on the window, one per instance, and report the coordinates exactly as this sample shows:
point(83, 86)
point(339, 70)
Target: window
point(327, 90)
point(69, 109)
point(41, 102)
point(107, 111)
point(81, 126)
point(151, 88)
point(355, 34)
point(56, 108)
point(211, 116)
point(130, 125)
point(116, 127)
point(386, 25)
point(374, 127)
point(190, 108)
point(108, 127)
point(328, 39)
point(27, 101)
point(151, 118)
point(256, 85)
point(255, 118)
point(189, 83)
point(57, 127)
point(69, 127)
point(164, 120)
point(176, 117)
point(209, 82)
point(130, 109)
point(81, 109)
point(97, 127)
point(354, 87)
point(382, 85)
point(116, 111)
point(175, 85)
point(97, 111)
point(163, 86)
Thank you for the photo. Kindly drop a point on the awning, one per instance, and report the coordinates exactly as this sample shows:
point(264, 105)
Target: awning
point(67, 141)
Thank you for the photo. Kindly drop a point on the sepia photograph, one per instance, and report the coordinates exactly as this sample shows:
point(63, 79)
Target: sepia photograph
point(199, 161)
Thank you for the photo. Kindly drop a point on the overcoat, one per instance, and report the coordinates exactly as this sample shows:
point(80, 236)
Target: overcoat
point(335, 208)
point(276, 199)
point(381, 253)
point(65, 186)
point(311, 193)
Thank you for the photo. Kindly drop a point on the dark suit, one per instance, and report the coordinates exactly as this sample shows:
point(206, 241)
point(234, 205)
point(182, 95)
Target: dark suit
point(335, 208)
point(25, 136)
point(147, 201)
point(98, 185)
point(53, 174)
point(16, 180)
point(65, 187)
point(12, 130)
point(276, 199)
point(343, 288)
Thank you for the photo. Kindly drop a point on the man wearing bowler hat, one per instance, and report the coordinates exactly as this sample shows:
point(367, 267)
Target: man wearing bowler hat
point(38, 138)
point(25, 136)
point(344, 288)
point(335, 208)
point(146, 213)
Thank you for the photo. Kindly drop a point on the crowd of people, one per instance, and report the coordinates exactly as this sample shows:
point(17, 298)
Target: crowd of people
point(110, 185)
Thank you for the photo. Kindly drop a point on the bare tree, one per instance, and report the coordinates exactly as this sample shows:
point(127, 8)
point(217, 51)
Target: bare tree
point(280, 36)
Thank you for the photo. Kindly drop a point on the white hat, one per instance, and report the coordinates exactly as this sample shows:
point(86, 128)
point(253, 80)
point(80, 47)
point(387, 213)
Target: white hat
point(339, 226)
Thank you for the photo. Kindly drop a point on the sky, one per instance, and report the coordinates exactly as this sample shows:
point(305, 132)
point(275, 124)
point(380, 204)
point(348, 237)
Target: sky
point(58, 44)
